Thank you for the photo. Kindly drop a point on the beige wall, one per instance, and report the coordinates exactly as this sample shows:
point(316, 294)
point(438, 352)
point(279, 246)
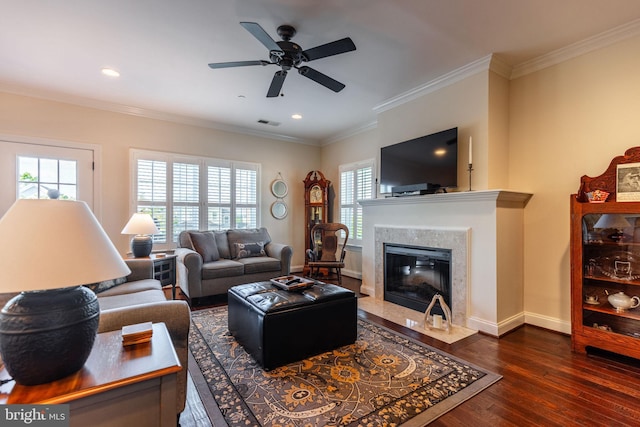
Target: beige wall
point(464, 105)
point(566, 121)
point(498, 130)
point(117, 133)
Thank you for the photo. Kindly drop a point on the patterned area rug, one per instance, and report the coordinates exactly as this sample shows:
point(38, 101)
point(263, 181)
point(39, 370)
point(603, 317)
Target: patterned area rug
point(383, 379)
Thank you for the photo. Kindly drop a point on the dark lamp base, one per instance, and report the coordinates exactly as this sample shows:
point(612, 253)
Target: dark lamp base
point(141, 246)
point(47, 335)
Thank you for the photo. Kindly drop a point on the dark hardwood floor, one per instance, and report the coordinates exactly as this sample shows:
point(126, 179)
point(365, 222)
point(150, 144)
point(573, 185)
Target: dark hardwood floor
point(544, 383)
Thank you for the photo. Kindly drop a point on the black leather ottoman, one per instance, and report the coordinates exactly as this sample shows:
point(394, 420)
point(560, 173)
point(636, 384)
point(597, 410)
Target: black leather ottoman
point(278, 327)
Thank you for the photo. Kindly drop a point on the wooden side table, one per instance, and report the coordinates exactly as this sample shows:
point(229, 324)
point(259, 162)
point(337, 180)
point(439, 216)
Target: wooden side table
point(118, 386)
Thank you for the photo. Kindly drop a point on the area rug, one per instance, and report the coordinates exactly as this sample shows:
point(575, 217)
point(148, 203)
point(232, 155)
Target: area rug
point(383, 379)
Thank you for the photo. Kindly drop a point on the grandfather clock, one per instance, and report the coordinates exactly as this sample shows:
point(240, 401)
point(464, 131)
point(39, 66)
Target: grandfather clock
point(316, 205)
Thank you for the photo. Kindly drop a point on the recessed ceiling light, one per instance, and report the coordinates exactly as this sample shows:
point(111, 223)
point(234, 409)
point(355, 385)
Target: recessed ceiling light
point(296, 116)
point(110, 72)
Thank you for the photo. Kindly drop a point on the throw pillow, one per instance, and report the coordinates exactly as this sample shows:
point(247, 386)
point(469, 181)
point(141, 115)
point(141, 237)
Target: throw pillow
point(251, 235)
point(106, 284)
point(205, 244)
point(246, 250)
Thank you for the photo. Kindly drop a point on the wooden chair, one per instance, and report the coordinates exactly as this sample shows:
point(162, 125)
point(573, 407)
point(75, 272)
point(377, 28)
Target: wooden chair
point(326, 252)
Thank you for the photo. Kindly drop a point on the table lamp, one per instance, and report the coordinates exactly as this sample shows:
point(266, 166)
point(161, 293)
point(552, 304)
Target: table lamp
point(613, 221)
point(49, 249)
point(142, 225)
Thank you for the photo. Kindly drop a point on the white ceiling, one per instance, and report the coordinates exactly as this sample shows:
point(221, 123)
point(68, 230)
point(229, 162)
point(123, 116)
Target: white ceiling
point(55, 49)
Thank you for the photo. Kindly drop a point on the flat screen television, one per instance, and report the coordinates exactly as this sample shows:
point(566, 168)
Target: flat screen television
point(430, 161)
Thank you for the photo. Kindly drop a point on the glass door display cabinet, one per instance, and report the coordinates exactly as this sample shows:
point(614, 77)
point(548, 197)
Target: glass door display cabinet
point(605, 260)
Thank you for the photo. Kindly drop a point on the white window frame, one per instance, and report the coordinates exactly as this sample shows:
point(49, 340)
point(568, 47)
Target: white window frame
point(354, 239)
point(203, 163)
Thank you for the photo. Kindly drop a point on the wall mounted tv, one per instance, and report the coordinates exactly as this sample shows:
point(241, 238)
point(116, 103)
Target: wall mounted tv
point(421, 165)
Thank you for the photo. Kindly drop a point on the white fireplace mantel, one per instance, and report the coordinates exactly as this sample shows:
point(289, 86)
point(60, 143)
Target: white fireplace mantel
point(494, 264)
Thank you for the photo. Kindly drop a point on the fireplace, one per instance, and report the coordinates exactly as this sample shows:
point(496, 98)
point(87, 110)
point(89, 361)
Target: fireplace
point(456, 240)
point(413, 275)
point(483, 229)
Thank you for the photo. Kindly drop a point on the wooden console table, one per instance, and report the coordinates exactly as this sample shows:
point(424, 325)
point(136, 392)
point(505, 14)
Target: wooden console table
point(118, 386)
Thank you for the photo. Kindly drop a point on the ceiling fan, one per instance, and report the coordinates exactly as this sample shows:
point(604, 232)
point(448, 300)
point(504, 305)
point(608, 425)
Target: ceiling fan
point(287, 54)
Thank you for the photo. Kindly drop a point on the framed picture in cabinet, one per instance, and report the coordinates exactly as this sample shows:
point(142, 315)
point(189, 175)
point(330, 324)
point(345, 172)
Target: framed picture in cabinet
point(628, 182)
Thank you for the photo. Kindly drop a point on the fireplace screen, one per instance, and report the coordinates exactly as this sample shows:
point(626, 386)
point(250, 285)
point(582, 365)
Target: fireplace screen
point(413, 275)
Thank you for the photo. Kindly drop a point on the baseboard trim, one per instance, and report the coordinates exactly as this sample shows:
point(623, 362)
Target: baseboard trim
point(547, 322)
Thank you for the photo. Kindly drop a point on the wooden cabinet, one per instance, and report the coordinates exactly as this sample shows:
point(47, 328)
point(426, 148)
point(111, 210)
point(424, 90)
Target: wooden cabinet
point(605, 260)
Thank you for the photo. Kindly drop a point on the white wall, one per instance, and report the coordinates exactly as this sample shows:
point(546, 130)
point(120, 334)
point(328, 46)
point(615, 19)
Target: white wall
point(116, 133)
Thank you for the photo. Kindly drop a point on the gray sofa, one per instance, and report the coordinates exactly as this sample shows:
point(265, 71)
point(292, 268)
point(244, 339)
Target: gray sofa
point(141, 299)
point(211, 262)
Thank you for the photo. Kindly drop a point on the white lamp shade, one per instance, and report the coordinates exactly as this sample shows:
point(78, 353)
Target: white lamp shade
point(140, 223)
point(612, 221)
point(49, 244)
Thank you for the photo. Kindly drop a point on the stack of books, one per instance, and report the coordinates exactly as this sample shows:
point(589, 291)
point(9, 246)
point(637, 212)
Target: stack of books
point(136, 334)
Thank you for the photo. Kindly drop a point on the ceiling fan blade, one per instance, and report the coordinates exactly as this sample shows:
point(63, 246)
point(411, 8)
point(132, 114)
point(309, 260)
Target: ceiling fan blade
point(334, 48)
point(323, 79)
point(238, 64)
point(276, 83)
point(258, 32)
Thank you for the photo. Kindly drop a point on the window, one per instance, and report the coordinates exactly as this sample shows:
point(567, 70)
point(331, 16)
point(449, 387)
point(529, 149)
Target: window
point(194, 193)
point(356, 183)
point(41, 178)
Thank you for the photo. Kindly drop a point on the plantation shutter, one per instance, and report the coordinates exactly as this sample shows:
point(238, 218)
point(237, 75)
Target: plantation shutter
point(246, 198)
point(152, 194)
point(356, 183)
point(218, 198)
point(186, 197)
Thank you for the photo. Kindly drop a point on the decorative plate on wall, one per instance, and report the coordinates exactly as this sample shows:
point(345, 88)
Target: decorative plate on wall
point(279, 209)
point(279, 188)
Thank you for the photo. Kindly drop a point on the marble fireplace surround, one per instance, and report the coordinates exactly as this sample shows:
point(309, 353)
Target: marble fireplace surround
point(455, 239)
point(485, 231)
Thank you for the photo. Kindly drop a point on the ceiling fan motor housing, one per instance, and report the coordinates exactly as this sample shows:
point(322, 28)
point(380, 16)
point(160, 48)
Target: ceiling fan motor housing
point(291, 55)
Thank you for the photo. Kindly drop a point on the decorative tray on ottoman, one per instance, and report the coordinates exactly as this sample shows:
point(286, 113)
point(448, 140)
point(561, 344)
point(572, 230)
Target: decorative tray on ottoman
point(292, 283)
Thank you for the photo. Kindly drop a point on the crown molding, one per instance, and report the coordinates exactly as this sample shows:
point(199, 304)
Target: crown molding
point(350, 132)
point(582, 47)
point(145, 113)
point(447, 79)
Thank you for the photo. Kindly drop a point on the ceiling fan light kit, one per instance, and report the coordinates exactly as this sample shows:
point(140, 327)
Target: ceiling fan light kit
point(287, 55)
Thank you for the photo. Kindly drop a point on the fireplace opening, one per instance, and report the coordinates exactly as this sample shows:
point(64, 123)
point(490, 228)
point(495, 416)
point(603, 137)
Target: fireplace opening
point(414, 274)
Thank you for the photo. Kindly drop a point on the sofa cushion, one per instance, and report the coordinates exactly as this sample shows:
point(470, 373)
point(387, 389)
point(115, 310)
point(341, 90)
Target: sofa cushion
point(204, 242)
point(261, 265)
point(223, 244)
point(222, 268)
point(106, 284)
point(248, 250)
point(253, 235)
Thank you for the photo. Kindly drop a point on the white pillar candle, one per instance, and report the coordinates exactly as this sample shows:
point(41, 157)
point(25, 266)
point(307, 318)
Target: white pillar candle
point(470, 150)
point(437, 321)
